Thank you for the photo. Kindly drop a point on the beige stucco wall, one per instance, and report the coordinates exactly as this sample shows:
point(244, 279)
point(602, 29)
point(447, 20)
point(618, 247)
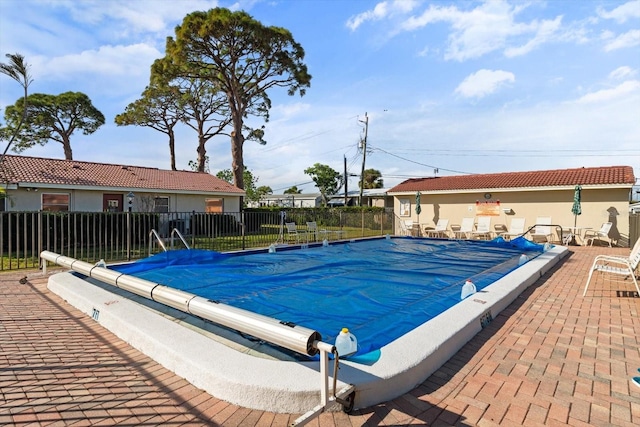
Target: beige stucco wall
point(598, 205)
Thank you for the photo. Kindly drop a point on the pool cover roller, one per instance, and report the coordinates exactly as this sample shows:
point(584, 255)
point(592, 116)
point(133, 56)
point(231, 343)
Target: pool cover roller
point(293, 337)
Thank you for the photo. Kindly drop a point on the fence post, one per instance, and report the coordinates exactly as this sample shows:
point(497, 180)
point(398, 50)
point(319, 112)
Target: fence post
point(242, 216)
point(129, 235)
point(40, 249)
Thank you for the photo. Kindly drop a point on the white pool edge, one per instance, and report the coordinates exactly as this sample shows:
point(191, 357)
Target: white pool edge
point(294, 387)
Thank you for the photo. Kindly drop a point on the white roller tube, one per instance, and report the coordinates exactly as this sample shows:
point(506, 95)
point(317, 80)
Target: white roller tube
point(105, 275)
point(135, 285)
point(292, 337)
point(172, 297)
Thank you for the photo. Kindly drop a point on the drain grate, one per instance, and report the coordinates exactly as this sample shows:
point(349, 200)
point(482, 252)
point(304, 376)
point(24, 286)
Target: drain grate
point(485, 319)
point(95, 314)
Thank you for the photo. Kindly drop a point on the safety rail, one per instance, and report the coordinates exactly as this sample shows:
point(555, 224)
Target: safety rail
point(174, 232)
point(344, 397)
point(180, 236)
point(155, 234)
point(557, 226)
point(284, 334)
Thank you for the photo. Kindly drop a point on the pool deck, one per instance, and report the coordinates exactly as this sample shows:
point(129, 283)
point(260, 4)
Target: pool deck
point(552, 357)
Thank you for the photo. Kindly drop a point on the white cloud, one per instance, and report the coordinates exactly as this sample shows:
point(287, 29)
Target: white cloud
point(483, 83)
point(489, 27)
point(132, 60)
point(288, 111)
point(546, 31)
point(381, 10)
point(135, 17)
point(628, 39)
point(621, 73)
point(621, 13)
point(623, 89)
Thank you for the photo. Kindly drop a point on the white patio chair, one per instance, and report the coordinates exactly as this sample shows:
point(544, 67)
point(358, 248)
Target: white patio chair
point(516, 229)
point(440, 230)
point(406, 227)
point(483, 228)
point(294, 233)
point(603, 233)
point(466, 228)
point(542, 231)
point(617, 265)
point(312, 230)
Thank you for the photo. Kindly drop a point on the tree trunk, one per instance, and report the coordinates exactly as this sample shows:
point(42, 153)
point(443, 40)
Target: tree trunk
point(172, 149)
point(202, 153)
point(66, 143)
point(237, 142)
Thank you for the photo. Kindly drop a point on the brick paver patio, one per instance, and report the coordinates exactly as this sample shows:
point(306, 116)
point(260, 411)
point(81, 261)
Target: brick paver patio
point(551, 358)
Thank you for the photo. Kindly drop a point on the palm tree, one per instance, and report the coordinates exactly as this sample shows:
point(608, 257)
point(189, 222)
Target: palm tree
point(18, 70)
point(293, 190)
point(372, 179)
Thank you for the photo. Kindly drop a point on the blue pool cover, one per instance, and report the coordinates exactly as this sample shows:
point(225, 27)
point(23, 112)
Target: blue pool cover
point(380, 289)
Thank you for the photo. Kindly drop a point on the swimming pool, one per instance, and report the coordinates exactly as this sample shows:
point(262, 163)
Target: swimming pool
point(379, 288)
point(234, 375)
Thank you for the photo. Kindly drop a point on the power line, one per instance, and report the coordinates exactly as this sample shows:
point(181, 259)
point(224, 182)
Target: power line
point(294, 185)
point(419, 163)
point(525, 153)
point(568, 150)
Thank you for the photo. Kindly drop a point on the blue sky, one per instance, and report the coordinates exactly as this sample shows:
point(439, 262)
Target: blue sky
point(453, 86)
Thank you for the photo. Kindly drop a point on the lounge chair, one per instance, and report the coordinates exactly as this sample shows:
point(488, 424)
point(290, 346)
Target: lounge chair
point(440, 230)
point(542, 231)
point(483, 228)
point(406, 227)
point(466, 228)
point(603, 233)
point(312, 230)
point(294, 233)
point(500, 229)
point(516, 229)
point(617, 265)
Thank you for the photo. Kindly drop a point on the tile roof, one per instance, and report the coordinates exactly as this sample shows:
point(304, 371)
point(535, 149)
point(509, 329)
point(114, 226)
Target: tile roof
point(597, 176)
point(23, 170)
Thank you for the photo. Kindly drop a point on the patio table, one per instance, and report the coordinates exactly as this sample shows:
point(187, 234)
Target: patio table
point(574, 231)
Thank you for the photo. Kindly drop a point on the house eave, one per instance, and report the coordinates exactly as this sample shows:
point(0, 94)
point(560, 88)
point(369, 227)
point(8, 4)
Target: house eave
point(123, 189)
point(512, 189)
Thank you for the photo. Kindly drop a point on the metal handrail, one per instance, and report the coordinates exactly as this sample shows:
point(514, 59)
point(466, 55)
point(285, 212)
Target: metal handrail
point(180, 236)
point(153, 232)
point(545, 225)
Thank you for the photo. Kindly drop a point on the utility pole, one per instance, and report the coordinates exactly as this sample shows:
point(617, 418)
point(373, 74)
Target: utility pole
point(346, 180)
point(364, 153)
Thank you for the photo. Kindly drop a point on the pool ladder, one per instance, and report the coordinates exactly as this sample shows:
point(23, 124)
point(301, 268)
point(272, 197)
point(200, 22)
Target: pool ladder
point(160, 241)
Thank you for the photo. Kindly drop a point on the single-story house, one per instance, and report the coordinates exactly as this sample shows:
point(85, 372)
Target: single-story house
point(375, 197)
point(605, 196)
point(33, 184)
point(307, 200)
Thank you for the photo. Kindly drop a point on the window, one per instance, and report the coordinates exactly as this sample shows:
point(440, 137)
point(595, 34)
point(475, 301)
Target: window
point(213, 205)
point(161, 204)
point(112, 205)
point(405, 207)
point(55, 202)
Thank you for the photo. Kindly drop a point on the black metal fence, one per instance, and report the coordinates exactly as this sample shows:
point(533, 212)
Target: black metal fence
point(122, 236)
